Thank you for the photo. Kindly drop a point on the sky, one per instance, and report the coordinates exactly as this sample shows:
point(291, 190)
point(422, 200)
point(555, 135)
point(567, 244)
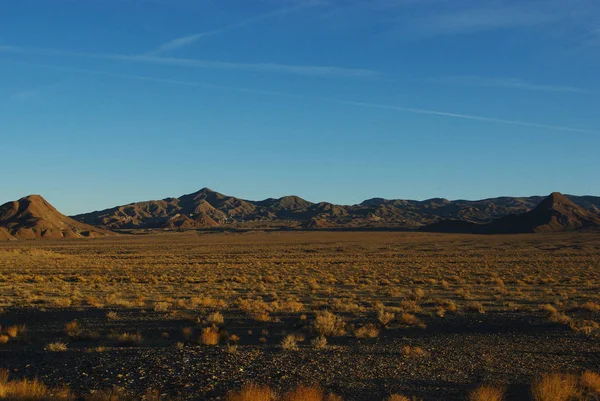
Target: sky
point(107, 102)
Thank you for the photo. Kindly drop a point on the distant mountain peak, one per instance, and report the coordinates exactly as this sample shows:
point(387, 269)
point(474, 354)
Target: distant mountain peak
point(555, 199)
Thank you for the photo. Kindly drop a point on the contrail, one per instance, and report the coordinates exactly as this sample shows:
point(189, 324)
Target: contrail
point(190, 39)
point(290, 95)
point(153, 79)
point(463, 116)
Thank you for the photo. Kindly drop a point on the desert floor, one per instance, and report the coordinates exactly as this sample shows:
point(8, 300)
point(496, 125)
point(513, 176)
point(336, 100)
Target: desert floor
point(363, 315)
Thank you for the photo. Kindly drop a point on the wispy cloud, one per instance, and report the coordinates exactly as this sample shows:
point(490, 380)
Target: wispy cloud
point(464, 116)
point(311, 70)
point(27, 94)
point(32, 93)
point(480, 18)
point(193, 38)
point(509, 83)
point(194, 84)
point(284, 94)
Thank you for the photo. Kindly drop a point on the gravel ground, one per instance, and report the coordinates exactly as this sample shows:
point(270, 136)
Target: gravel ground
point(461, 351)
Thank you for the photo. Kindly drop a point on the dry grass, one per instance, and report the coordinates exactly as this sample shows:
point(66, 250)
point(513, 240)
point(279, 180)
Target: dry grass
point(367, 331)
point(252, 392)
point(335, 280)
point(30, 390)
point(328, 324)
point(56, 347)
point(289, 343)
point(397, 397)
point(126, 339)
point(210, 336)
point(216, 318)
point(15, 331)
point(555, 387)
point(590, 382)
point(487, 393)
point(319, 342)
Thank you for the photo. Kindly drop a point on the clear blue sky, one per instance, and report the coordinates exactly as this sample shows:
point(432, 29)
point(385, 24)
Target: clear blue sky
point(105, 102)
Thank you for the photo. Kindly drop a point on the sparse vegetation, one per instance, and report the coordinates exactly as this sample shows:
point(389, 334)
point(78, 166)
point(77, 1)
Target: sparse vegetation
point(487, 393)
point(258, 291)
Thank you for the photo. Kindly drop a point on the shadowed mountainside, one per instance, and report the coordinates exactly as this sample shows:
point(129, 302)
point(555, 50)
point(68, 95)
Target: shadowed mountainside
point(555, 213)
point(33, 217)
point(207, 208)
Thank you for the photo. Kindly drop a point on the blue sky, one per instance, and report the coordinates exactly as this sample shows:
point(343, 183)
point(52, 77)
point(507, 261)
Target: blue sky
point(105, 102)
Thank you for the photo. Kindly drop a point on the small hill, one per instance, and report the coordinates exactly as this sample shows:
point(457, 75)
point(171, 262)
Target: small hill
point(554, 214)
point(32, 217)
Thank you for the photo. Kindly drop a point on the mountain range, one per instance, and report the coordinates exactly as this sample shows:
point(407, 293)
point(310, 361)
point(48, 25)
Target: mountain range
point(34, 217)
point(207, 208)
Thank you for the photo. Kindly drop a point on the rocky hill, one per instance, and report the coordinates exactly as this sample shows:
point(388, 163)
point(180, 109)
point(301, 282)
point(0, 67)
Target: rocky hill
point(555, 213)
point(33, 217)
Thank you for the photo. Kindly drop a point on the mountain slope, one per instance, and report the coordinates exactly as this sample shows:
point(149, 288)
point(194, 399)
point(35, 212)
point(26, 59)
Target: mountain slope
point(555, 213)
point(207, 208)
point(33, 217)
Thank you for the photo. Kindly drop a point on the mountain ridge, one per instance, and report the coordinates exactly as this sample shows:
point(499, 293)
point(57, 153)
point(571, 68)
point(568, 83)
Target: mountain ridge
point(296, 212)
point(554, 213)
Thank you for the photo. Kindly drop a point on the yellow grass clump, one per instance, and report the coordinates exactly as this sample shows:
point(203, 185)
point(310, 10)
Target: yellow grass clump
point(252, 392)
point(487, 393)
point(555, 387)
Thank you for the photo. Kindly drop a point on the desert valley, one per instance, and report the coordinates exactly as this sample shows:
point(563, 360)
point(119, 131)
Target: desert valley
point(209, 296)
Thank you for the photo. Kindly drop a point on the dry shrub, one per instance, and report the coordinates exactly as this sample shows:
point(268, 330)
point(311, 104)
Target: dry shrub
point(319, 342)
point(409, 305)
point(62, 302)
point(56, 347)
point(367, 331)
point(14, 330)
point(187, 332)
point(475, 306)
point(328, 324)
point(252, 392)
point(411, 320)
point(487, 393)
point(30, 390)
point(151, 395)
point(161, 306)
point(560, 318)
point(216, 318)
point(555, 387)
point(413, 351)
point(590, 306)
point(126, 338)
point(584, 326)
point(262, 317)
point(397, 397)
point(210, 336)
point(309, 393)
point(384, 317)
point(112, 315)
point(590, 381)
point(72, 329)
point(289, 343)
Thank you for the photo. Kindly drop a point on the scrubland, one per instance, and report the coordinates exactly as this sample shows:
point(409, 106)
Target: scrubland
point(303, 316)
